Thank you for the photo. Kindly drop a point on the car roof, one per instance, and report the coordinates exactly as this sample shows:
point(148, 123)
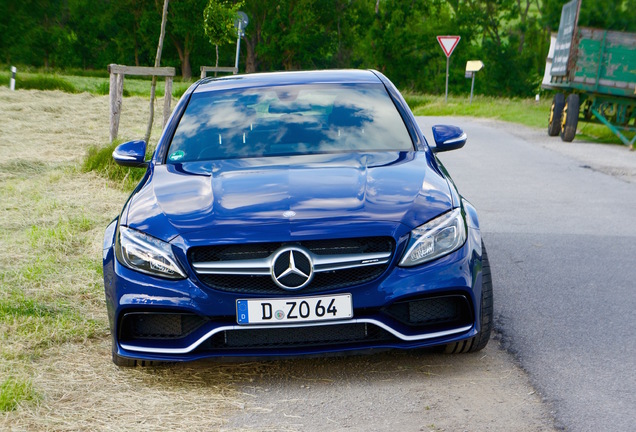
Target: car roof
point(345, 76)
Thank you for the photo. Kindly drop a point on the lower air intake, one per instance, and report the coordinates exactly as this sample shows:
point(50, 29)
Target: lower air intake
point(298, 337)
point(135, 326)
point(451, 310)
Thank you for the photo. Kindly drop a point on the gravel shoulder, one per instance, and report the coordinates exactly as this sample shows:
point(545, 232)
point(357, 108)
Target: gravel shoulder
point(79, 388)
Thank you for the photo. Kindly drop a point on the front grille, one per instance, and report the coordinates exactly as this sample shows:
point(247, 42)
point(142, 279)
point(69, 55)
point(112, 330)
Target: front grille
point(316, 336)
point(453, 310)
point(264, 285)
point(263, 250)
point(151, 325)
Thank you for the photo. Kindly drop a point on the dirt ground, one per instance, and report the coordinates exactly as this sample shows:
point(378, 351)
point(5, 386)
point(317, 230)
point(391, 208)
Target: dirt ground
point(79, 388)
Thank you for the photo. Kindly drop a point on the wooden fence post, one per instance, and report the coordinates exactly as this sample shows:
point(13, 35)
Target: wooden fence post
point(116, 91)
point(115, 101)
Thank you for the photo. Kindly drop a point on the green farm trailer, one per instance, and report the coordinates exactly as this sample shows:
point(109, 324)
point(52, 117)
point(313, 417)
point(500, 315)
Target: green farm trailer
point(593, 72)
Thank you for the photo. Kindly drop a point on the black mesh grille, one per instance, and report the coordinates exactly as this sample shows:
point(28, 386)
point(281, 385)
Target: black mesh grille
point(447, 310)
point(263, 250)
point(232, 252)
point(247, 284)
point(298, 337)
point(158, 325)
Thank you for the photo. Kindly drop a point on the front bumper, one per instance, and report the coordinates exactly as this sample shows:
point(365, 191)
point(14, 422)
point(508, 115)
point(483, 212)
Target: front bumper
point(161, 320)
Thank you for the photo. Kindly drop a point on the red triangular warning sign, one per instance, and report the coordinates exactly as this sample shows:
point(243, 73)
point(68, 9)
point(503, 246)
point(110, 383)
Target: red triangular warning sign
point(448, 43)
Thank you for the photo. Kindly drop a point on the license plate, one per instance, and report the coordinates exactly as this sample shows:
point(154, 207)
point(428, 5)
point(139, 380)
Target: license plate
point(294, 310)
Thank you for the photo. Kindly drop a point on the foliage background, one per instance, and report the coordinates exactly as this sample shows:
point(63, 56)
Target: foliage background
point(396, 37)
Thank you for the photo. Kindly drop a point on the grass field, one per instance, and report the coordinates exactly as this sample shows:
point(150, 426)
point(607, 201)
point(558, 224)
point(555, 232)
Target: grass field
point(55, 367)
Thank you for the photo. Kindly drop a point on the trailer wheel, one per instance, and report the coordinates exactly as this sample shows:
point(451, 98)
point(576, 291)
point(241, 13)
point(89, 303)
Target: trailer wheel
point(570, 117)
point(556, 110)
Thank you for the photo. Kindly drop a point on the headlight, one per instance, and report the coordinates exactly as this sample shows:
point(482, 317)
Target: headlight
point(147, 254)
point(435, 239)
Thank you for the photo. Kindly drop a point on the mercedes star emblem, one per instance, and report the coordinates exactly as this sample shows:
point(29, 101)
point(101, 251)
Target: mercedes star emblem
point(292, 268)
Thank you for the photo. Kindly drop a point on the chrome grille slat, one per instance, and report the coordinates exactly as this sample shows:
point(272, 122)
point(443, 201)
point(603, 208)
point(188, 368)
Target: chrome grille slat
point(261, 267)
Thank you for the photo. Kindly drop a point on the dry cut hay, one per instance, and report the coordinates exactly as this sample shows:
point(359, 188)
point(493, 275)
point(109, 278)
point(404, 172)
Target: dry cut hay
point(82, 390)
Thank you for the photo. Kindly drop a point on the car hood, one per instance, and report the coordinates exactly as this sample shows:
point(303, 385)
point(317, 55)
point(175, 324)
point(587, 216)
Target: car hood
point(224, 196)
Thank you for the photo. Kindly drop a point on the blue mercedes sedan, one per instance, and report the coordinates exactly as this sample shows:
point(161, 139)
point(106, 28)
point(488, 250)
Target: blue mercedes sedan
point(289, 214)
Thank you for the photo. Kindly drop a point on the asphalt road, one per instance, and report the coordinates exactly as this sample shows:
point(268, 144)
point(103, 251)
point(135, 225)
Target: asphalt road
point(559, 221)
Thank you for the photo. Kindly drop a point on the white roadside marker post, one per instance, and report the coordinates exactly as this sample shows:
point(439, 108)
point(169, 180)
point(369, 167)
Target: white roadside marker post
point(14, 70)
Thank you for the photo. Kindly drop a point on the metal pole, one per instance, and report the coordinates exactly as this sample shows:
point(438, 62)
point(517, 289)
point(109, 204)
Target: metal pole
point(238, 45)
point(447, 61)
point(12, 82)
point(472, 86)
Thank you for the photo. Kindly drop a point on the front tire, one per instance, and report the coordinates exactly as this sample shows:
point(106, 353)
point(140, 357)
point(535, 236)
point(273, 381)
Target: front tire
point(479, 342)
point(556, 111)
point(124, 362)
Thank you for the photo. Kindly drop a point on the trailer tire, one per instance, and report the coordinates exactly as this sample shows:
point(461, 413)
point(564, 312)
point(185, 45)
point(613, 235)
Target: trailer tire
point(570, 117)
point(556, 110)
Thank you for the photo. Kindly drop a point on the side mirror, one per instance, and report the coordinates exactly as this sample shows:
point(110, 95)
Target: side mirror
point(131, 154)
point(448, 138)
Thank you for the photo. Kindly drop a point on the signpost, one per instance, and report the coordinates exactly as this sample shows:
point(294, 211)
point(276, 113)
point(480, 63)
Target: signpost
point(472, 66)
point(448, 44)
point(240, 23)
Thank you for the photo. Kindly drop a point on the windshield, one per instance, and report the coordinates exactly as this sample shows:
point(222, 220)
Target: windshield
point(288, 120)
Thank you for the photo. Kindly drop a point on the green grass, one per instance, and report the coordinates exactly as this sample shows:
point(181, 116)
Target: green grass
point(50, 275)
point(40, 82)
point(37, 324)
point(100, 160)
point(523, 111)
point(13, 391)
point(18, 306)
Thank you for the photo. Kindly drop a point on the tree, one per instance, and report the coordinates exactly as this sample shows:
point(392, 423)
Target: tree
point(185, 29)
point(48, 37)
point(134, 38)
point(292, 34)
point(164, 16)
point(401, 42)
point(258, 12)
point(218, 22)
